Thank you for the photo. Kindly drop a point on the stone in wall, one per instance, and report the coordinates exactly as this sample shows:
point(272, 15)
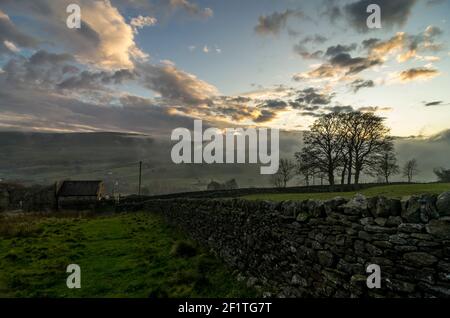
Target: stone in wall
point(322, 248)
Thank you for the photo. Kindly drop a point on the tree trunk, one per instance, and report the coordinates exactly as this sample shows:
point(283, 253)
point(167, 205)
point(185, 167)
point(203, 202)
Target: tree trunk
point(357, 172)
point(331, 177)
point(344, 173)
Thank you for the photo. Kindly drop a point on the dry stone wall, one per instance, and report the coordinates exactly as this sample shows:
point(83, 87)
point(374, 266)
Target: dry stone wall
point(322, 248)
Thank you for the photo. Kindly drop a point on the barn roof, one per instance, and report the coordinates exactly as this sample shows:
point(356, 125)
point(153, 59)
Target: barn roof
point(79, 188)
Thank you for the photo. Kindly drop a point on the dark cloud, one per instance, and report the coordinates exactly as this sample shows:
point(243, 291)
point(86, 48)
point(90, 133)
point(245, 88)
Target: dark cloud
point(274, 104)
point(176, 85)
point(189, 7)
point(340, 109)
point(12, 36)
point(370, 43)
point(358, 84)
point(310, 114)
point(434, 103)
point(316, 39)
point(311, 99)
point(275, 22)
point(418, 73)
point(353, 65)
point(41, 69)
point(265, 116)
point(394, 13)
point(373, 109)
point(303, 52)
point(43, 57)
point(338, 49)
point(96, 80)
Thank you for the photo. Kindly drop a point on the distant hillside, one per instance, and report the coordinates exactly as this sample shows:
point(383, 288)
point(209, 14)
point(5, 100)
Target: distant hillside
point(42, 158)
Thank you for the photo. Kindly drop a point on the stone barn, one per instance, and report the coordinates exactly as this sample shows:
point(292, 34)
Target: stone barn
point(79, 194)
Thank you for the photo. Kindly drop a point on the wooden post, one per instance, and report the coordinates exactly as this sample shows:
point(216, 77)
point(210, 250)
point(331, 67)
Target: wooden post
point(140, 177)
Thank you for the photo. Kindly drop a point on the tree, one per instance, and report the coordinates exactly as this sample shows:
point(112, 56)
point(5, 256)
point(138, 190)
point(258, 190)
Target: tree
point(231, 185)
point(442, 174)
point(324, 145)
point(410, 169)
point(305, 166)
point(386, 164)
point(348, 143)
point(285, 173)
point(366, 137)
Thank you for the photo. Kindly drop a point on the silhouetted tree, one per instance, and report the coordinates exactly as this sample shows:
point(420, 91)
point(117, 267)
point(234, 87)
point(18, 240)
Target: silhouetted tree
point(324, 145)
point(305, 166)
point(386, 163)
point(442, 174)
point(410, 169)
point(286, 171)
point(366, 137)
point(348, 143)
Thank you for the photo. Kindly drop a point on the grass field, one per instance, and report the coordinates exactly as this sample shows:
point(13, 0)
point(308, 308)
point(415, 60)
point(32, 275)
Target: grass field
point(391, 191)
point(133, 255)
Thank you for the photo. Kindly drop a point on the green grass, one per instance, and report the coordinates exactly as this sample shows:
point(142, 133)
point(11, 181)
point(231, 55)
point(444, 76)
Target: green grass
point(132, 255)
point(391, 191)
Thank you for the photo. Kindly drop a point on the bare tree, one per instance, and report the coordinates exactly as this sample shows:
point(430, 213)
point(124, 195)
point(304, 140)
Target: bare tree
point(324, 145)
point(348, 143)
point(277, 180)
point(305, 166)
point(286, 172)
point(366, 136)
point(386, 164)
point(410, 169)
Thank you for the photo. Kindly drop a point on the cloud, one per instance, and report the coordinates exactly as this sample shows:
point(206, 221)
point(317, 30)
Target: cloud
point(311, 99)
point(303, 52)
point(104, 40)
point(373, 109)
point(96, 80)
point(358, 84)
point(353, 65)
point(301, 49)
point(434, 103)
point(140, 22)
point(274, 104)
point(11, 37)
point(275, 22)
point(191, 8)
point(340, 109)
point(404, 45)
point(338, 49)
point(265, 116)
point(394, 13)
point(176, 85)
point(316, 39)
point(419, 73)
point(42, 69)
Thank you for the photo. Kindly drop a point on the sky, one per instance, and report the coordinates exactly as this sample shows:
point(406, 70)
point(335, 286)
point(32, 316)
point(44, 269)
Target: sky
point(149, 66)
